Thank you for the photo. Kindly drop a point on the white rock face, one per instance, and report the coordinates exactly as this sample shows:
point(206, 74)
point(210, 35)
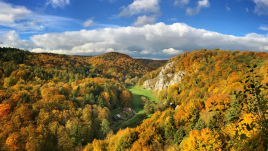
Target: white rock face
point(161, 82)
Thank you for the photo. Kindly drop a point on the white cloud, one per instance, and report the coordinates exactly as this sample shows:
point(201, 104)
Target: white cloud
point(58, 3)
point(140, 7)
point(10, 13)
point(196, 10)
point(264, 48)
point(172, 51)
point(263, 28)
point(11, 39)
point(261, 7)
point(254, 35)
point(89, 22)
point(228, 9)
point(181, 3)
point(247, 10)
point(143, 20)
point(145, 52)
point(151, 41)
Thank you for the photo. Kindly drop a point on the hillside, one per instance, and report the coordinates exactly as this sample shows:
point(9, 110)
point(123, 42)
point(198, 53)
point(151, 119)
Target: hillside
point(153, 64)
point(54, 102)
point(118, 65)
point(222, 103)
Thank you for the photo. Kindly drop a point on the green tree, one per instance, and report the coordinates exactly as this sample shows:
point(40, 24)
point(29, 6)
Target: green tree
point(105, 126)
point(169, 128)
point(179, 135)
point(91, 98)
point(106, 88)
point(100, 102)
point(233, 112)
point(96, 87)
point(86, 99)
point(9, 82)
point(199, 125)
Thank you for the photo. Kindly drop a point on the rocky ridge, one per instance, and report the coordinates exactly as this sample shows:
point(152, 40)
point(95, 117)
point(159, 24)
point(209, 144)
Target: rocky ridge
point(163, 80)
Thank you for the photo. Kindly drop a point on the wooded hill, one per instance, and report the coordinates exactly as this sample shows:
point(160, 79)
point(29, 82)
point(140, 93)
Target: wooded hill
point(153, 64)
point(54, 102)
point(222, 106)
point(120, 65)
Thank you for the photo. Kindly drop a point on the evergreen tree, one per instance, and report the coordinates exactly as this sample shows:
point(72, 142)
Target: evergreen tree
point(233, 112)
point(106, 88)
point(169, 128)
point(147, 107)
point(100, 102)
point(86, 99)
point(96, 87)
point(179, 135)
point(91, 98)
point(75, 134)
point(105, 127)
point(199, 125)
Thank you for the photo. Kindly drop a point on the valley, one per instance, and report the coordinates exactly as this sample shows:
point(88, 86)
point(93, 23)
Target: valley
point(114, 102)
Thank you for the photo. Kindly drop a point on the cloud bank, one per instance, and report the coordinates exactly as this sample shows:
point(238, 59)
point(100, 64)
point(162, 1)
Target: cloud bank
point(10, 13)
point(151, 41)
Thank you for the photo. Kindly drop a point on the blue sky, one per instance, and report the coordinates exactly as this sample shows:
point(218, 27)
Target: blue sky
point(155, 29)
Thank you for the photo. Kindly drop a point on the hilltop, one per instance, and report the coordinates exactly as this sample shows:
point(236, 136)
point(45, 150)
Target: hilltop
point(121, 65)
point(153, 64)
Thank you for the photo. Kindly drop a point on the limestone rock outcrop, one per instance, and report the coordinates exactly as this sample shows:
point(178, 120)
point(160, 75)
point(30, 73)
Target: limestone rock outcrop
point(163, 80)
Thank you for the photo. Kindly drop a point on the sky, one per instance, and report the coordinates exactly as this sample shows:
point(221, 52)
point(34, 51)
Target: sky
point(153, 29)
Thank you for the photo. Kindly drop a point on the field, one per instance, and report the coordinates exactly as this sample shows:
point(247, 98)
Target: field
point(138, 92)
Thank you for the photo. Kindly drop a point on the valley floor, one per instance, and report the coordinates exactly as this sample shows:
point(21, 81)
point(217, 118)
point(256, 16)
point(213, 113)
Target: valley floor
point(137, 92)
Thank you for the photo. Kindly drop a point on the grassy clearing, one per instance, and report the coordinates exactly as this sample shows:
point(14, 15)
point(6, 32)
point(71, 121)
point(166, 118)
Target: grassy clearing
point(138, 92)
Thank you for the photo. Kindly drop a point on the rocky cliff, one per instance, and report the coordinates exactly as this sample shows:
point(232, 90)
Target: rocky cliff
point(163, 80)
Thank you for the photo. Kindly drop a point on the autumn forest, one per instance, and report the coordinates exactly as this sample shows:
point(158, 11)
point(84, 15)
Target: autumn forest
point(56, 102)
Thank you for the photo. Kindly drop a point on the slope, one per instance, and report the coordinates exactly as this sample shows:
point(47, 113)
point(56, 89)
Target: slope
point(118, 65)
point(54, 102)
point(222, 102)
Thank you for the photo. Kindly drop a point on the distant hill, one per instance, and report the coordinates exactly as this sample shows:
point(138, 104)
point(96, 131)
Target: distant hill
point(152, 64)
point(118, 64)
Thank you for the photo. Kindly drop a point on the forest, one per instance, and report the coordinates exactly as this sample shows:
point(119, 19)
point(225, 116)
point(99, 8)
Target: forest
point(65, 103)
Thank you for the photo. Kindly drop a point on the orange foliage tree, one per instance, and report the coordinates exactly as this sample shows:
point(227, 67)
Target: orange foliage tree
point(126, 98)
point(4, 110)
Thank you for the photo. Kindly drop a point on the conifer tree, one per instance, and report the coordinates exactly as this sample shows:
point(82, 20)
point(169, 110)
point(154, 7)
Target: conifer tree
point(106, 88)
point(169, 128)
point(105, 127)
point(233, 112)
point(178, 137)
point(100, 102)
point(96, 87)
point(199, 125)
